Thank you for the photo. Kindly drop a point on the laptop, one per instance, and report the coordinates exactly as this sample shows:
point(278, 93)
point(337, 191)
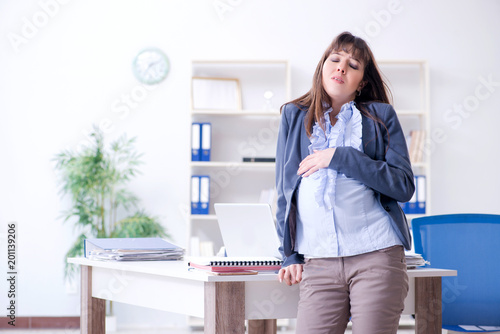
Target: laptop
point(248, 229)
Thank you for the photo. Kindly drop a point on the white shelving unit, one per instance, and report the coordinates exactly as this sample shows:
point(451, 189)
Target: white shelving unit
point(409, 83)
point(249, 131)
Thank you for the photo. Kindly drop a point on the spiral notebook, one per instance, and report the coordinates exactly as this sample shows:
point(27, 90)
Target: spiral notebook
point(235, 264)
point(250, 239)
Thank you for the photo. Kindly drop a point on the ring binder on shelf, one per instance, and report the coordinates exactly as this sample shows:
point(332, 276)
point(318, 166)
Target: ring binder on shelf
point(195, 142)
point(195, 195)
point(206, 141)
point(421, 194)
point(204, 194)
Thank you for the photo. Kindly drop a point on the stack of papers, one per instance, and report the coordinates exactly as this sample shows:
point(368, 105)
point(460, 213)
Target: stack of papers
point(414, 260)
point(132, 249)
point(138, 255)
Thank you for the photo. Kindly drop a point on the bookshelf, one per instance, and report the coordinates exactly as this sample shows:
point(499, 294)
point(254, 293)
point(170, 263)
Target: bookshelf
point(246, 129)
point(409, 84)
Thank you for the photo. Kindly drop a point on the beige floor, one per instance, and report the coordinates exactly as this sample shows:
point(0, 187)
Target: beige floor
point(406, 328)
point(155, 331)
point(161, 331)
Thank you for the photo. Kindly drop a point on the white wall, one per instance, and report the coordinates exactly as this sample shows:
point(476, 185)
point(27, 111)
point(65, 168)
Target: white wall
point(72, 70)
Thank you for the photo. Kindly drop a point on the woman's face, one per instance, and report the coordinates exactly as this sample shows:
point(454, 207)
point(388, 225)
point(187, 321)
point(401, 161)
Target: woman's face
point(342, 77)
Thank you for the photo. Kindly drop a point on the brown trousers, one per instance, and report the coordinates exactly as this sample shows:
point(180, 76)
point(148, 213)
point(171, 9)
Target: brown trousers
point(370, 288)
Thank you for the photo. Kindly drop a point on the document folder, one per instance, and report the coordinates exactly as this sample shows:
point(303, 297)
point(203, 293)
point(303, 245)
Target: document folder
point(195, 142)
point(206, 141)
point(421, 194)
point(204, 194)
point(195, 195)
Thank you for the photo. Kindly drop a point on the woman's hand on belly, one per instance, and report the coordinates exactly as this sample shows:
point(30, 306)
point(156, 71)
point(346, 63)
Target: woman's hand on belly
point(314, 162)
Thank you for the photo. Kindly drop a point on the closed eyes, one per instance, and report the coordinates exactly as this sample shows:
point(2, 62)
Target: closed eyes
point(351, 65)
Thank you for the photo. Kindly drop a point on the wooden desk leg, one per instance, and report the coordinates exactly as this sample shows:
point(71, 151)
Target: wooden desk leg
point(224, 307)
point(93, 310)
point(266, 326)
point(428, 312)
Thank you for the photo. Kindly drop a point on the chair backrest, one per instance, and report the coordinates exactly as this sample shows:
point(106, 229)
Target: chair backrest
point(469, 243)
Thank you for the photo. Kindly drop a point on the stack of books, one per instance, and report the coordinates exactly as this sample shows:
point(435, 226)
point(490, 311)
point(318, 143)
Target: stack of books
point(131, 249)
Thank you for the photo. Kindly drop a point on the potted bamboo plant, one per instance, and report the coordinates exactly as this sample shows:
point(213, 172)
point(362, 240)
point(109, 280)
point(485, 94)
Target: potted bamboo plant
point(95, 179)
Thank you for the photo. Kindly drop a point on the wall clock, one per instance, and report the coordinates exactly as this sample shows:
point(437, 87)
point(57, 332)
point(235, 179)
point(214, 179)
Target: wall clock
point(151, 66)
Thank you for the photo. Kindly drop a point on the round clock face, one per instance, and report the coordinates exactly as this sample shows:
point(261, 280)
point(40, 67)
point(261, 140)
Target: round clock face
point(151, 66)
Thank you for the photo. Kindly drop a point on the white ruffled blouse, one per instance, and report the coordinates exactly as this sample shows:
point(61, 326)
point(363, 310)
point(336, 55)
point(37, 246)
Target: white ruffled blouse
point(347, 131)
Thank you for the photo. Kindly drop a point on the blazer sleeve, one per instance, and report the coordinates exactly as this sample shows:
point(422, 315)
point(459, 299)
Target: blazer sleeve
point(281, 181)
point(391, 176)
point(280, 166)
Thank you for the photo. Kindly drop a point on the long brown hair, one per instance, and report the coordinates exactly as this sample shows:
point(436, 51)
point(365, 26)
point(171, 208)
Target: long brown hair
point(375, 88)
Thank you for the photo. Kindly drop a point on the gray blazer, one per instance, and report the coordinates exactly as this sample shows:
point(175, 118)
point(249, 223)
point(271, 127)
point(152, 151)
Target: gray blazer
point(384, 166)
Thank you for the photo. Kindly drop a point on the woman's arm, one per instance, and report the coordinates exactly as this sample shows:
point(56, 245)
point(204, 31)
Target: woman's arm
point(281, 160)
point(392, 176)
point(280, 166)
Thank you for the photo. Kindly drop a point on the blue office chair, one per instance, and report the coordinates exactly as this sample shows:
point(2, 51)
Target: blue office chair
point(469, 243)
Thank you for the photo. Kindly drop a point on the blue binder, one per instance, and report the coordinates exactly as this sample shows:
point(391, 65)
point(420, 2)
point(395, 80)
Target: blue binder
point(200, 194)
point(204, 194)
point(196, 142)
point(421, 194)
point(195, 194)
point(206, 141)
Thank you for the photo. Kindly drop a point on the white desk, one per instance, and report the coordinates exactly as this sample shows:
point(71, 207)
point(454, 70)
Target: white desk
point(223, 301)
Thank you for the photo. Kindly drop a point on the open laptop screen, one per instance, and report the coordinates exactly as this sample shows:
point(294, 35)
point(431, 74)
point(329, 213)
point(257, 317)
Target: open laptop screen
point(248, 229)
